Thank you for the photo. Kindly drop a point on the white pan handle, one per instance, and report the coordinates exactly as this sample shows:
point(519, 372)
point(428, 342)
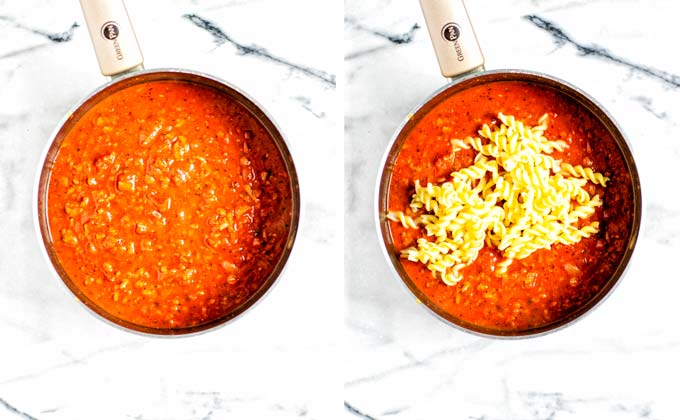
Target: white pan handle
point(112, 36)
point(453, 38)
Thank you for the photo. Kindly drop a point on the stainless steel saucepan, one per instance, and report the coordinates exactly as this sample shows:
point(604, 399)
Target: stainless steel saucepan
point(461, 61)
point(120, 58)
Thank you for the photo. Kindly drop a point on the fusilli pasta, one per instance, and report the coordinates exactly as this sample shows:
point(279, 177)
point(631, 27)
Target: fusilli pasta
point(514, 197)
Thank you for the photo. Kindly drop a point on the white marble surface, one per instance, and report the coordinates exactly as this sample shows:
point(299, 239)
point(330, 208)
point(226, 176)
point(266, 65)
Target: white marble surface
point(279, 361)
point(621, 361)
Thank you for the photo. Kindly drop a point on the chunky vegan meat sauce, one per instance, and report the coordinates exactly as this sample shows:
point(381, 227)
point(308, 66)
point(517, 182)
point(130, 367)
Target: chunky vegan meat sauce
point(169, 204)
point(551, 283)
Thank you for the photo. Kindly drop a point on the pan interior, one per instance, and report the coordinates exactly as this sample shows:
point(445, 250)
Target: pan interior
point(584, 101)
point(136, 79)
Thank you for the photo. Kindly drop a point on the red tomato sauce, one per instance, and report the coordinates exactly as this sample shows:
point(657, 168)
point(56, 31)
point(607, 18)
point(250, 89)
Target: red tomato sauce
point(169, 204)
point(551, 283)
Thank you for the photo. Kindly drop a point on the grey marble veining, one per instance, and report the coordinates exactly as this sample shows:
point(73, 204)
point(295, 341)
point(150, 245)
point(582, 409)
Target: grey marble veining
point(619, 362)
point(282, 360)
point(59, 362)
point(220, 37)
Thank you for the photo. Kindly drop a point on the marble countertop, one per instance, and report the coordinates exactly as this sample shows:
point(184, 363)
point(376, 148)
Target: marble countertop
point(276, 362)
point(619, 362)
point(283, 359)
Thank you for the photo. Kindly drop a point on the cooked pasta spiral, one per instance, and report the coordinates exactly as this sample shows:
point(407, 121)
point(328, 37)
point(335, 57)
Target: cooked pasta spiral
point(586, 173)
point(406, 221)
point(515, 197)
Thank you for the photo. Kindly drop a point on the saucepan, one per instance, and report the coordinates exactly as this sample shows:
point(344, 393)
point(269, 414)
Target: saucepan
point(120, 58)
point(500, 303)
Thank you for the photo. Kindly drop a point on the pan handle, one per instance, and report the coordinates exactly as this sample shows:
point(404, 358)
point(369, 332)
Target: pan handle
point(112, 36)
point(453, 38)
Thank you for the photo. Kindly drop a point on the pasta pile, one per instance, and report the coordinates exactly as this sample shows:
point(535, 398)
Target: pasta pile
point(514, 197)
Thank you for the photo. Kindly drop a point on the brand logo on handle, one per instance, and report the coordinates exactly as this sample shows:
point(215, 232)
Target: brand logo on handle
point(451, 32)
point(110, 30)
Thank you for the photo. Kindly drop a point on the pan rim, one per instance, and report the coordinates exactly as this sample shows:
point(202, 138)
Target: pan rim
point(43, 173)
point(474, 79)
